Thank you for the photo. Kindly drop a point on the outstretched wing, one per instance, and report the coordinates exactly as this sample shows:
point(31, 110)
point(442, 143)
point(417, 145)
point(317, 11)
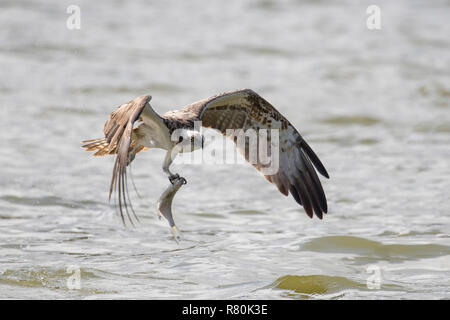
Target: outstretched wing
point(245, 109)
point(119, 126)
point(119, 134)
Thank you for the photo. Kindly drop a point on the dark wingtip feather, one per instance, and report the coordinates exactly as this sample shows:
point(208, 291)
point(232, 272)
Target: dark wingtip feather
point(314, 183)
point(312, 193)
point(294, 193)
point(303, 194)
point(314, 159)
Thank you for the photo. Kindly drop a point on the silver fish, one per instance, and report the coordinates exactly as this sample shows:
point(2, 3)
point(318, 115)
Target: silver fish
point(165, 205)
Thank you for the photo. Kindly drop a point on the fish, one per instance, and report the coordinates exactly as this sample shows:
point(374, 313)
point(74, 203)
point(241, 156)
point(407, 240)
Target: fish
point(165, 205)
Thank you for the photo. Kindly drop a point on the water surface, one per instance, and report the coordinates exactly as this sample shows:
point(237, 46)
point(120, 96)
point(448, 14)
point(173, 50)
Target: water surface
point(374, 105)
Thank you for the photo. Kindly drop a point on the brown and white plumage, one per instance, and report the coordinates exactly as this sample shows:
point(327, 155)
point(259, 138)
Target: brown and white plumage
point(122, 139)
point(240, 109)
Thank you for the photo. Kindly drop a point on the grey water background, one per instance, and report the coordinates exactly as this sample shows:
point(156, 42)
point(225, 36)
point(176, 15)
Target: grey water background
point(373, 104)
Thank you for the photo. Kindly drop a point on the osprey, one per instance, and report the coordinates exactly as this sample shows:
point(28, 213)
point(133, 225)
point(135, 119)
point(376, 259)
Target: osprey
point(135, 126)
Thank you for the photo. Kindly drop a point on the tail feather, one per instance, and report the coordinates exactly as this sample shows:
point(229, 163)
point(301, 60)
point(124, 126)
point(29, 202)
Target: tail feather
point(101, 145)
point(104, 148)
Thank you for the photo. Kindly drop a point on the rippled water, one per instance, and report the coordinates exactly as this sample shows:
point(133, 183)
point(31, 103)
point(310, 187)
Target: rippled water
point(373, 104)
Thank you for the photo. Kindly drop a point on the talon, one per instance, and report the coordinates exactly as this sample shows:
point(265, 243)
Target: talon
point(184, 180)
point(174, 177)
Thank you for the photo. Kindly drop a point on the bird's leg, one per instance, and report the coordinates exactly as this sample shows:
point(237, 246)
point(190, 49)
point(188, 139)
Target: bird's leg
point(170, 156)
point(167, 162)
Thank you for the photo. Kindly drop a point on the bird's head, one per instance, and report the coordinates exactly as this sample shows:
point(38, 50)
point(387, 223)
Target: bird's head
point(190, 140)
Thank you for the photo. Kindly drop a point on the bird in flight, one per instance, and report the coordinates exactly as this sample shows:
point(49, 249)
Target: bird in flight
point(135, 126)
